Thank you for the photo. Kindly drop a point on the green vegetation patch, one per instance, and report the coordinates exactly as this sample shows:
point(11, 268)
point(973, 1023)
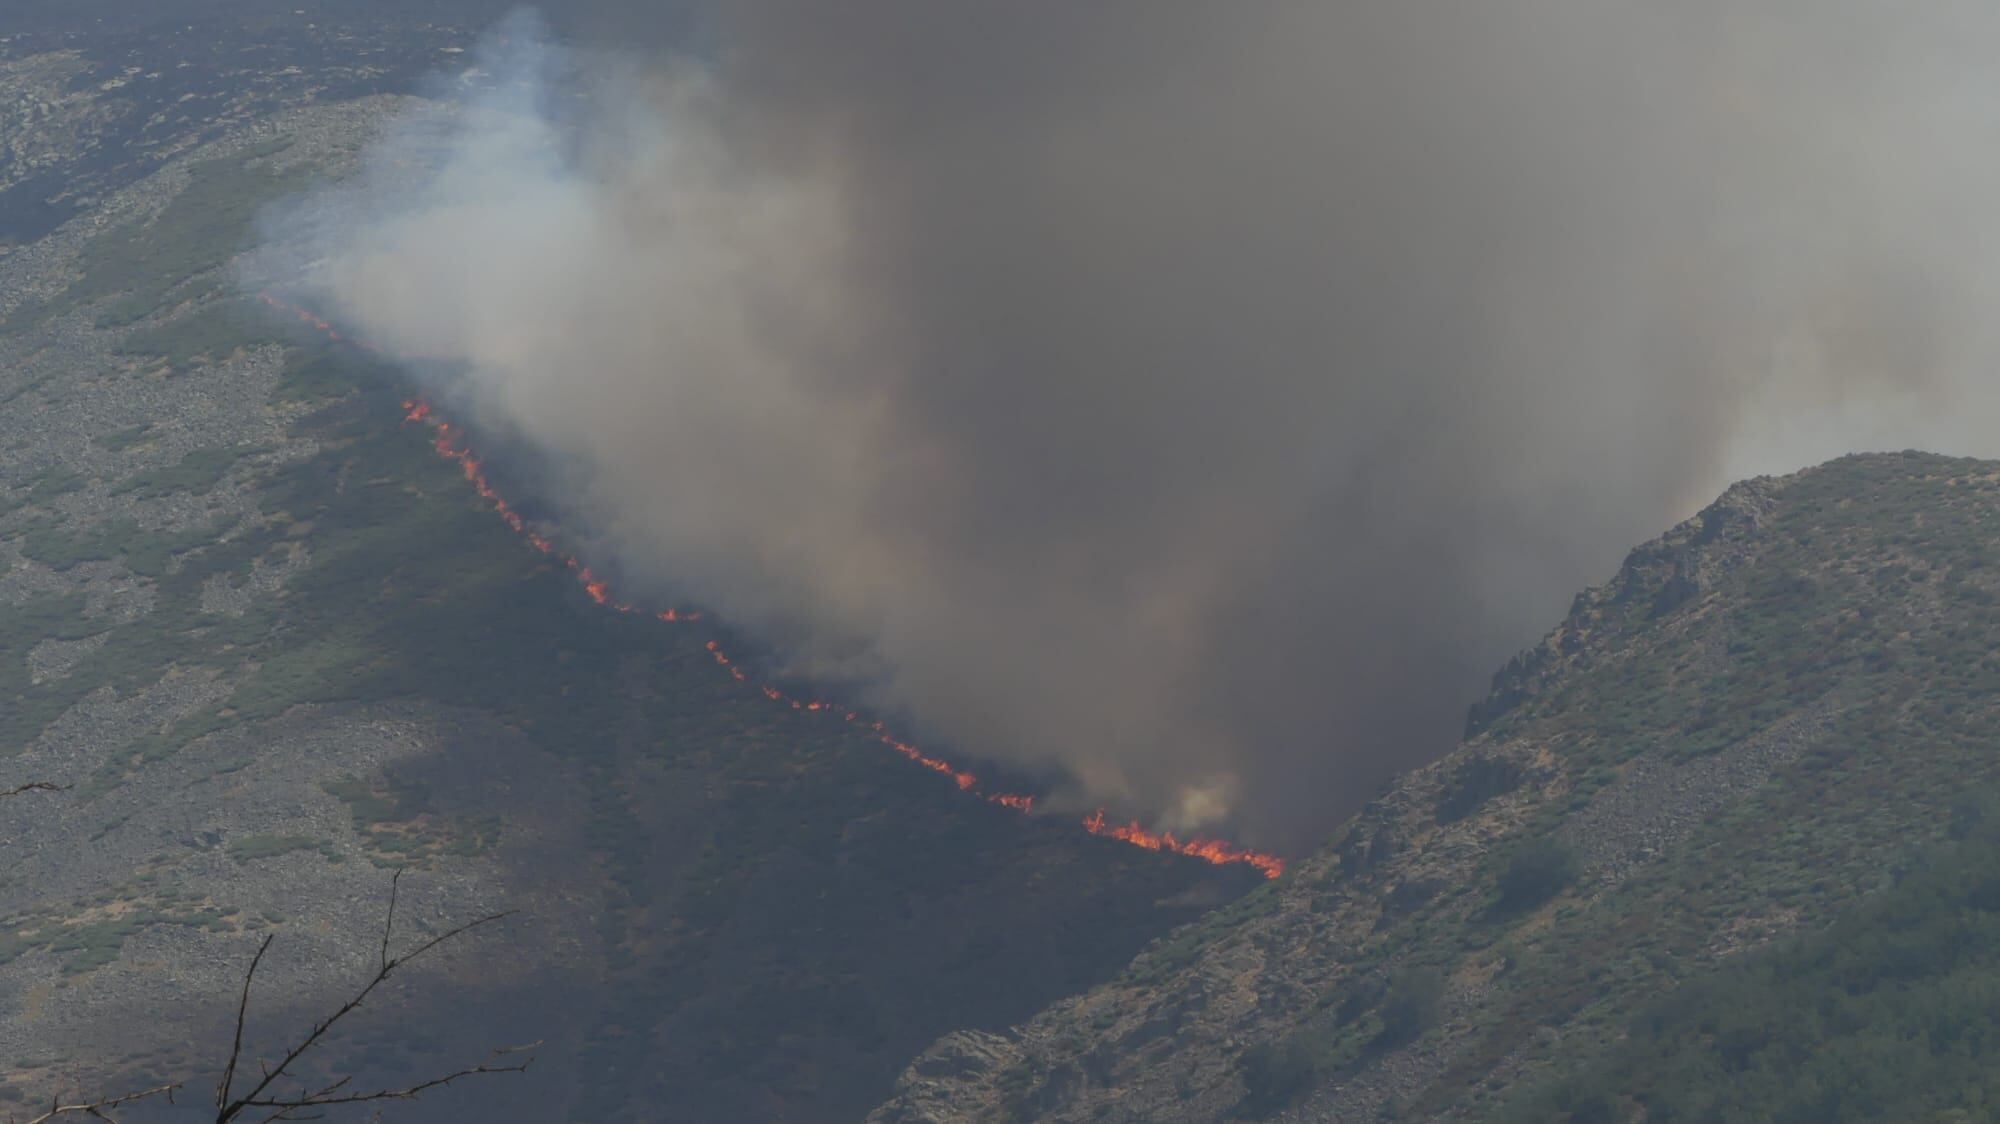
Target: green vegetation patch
point(1538, 870)
point(141, 264)
point(202, 228)
point(86, 945)
point(1842, 639)
point(213, 332)
point(32, 706)
point(176, 632)
point(1890, 1013)
point(1363, 1020)
point(1189, 943)
point(52, 617)
point(55, 544)
point(400, 828)
point(250, 848)
point(392, 799)
point(119, 440)
point(197, 472)
point(54, 482)
point(1477, 780)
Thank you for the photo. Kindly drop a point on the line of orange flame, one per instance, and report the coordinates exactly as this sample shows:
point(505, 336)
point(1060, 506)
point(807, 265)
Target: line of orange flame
point(448, 442)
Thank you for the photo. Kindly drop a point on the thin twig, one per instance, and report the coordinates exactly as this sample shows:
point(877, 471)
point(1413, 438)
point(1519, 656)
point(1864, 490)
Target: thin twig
point(242, 1008)
point(389, 923)
point(263, 1095)
point(285, 1105)
point(98, 1109)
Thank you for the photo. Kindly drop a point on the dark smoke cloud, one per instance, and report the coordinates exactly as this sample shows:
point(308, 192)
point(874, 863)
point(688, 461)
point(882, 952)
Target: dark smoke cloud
point(1197, 398)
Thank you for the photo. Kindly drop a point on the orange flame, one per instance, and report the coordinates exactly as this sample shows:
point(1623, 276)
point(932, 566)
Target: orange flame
point(448, 444)
point(1213, 850)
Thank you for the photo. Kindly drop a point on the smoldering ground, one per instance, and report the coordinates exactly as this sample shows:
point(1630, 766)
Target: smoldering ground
point(1197, 399)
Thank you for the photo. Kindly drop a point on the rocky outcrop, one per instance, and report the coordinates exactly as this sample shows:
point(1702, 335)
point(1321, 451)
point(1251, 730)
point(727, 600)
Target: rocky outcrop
point(928, 1091)
point(1732, 739)
point(1656, 579)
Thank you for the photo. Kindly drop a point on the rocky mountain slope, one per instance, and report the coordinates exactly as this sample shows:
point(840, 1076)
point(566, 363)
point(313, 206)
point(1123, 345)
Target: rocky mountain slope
point(1731, 816)
point(277, 647)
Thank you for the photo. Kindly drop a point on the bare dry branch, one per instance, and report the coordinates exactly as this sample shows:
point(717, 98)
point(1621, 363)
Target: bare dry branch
point(101, 1109)
point(222, 1087)
point(389, 923)
point(284, 1106)
point(34, 786)
point(300, 1105)
point(306, 1103)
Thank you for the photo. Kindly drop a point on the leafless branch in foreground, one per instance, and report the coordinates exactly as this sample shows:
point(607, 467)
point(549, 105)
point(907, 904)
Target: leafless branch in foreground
point(101, 1109)
point(283, 1095)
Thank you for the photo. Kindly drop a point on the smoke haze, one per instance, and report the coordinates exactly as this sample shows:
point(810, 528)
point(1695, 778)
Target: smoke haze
point(1196, 400)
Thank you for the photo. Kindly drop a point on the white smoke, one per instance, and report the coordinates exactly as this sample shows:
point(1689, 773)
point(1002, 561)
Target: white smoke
point(1197, 401)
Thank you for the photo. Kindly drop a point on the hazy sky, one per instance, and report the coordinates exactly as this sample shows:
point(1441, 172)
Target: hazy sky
point(1197, 399)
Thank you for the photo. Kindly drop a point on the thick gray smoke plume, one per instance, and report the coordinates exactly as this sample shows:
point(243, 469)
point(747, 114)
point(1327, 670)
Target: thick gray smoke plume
point(1198, 398)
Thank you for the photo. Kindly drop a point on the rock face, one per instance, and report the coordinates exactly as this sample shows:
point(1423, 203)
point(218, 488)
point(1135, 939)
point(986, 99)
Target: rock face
point(928, 1091)
point(1735, 739)
point(1663, 575)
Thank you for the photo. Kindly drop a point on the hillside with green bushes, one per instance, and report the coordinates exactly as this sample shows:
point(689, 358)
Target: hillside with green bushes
point(1719, 848)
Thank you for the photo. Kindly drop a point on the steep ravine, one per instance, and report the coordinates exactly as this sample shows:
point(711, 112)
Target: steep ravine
point(1747, 732)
